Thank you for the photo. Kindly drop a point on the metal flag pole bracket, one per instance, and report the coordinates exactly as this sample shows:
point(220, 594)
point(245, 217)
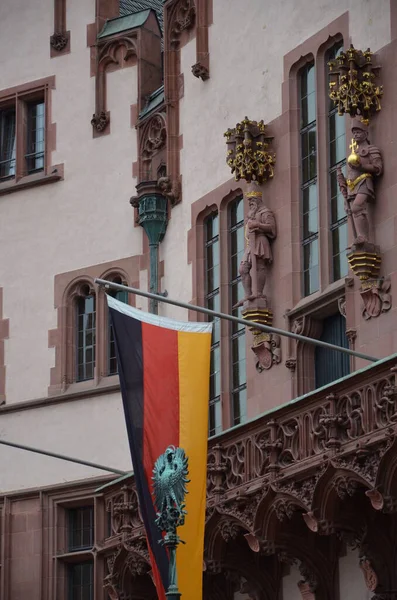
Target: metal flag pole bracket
point(240, 321)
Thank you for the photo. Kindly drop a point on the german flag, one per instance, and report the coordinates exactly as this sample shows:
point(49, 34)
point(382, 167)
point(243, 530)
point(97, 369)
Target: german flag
point(164, 370)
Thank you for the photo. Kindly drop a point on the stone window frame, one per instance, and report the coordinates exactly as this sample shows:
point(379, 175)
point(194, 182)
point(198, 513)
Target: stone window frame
point(215, 201)
point(306, 319)
point(67, 287)
point(315, 50)
point(18, 96)
point(58, 505)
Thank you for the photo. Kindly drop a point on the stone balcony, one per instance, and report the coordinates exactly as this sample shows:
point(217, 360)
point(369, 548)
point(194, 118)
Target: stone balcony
point(294, 486)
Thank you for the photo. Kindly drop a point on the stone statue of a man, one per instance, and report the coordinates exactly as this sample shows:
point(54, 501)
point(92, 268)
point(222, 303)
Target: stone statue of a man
point(364, 164)
point(260, 228)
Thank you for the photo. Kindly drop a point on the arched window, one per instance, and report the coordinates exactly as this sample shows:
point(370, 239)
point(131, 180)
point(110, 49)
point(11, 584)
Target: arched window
point(308, 162)
point(122, 296)
point(212, 301)
point(85, 310)
point(337, 158)
point(237, 338)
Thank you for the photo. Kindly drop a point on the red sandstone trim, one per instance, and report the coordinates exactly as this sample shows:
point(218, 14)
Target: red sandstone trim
point(216, 201)
point(60, 40)
point(204, 19)
point(393, 20)
point(18, 95)
point(4, 335)
point(66, 288)
point(140, 47)
point(177, 32)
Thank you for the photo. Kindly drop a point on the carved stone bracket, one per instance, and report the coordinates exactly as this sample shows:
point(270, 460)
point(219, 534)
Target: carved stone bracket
point(370, 577)
point(267, 350)
point(376, 297)
point(60, 39)
point(352, 83)
point(201, 69)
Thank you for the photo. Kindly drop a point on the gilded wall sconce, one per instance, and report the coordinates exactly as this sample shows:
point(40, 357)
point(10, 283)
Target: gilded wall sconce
point(247, 153)
point(352, 84)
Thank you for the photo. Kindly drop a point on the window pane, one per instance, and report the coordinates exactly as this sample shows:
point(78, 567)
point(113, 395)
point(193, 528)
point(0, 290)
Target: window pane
point(309, 155)
point(81, 528)
point(310, 225)
point(85, 337)
point(121, 296)
point(330, 364)
point(35, 137)
point(339, 245)
point(239, 407)
point(215, 417)
point(237, 348)
point(308, 95)
point(310, 266)
point(337, 156)
point(212, 270)
point(7, 143)
point(337, 200)
point(80, 583)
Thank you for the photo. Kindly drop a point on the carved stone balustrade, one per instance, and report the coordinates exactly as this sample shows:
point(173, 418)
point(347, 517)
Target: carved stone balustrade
point(321, 468)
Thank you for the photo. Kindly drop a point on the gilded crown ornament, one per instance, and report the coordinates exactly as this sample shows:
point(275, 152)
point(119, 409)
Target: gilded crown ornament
point(247, 153)
point(352, 84)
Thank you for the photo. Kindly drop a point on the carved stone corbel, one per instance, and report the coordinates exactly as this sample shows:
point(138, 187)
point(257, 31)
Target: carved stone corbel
point(60, 39)
point(376, 297)
point(201, 69)
point(370, 577)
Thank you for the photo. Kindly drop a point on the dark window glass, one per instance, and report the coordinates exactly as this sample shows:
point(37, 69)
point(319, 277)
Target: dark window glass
point(330, 364)
point(311, 268)
point(238, 366)
point(81, 586)
point(85, 337)
point(212, 300)
point(337, 158)
point(308, 95)
point(81, 528)
point(35, 146)
point(112, 358)
point(7, 143)
point(309, 200)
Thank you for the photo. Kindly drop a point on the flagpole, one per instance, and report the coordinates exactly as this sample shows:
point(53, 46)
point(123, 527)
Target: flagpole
point(78, 461)
point(233, 319)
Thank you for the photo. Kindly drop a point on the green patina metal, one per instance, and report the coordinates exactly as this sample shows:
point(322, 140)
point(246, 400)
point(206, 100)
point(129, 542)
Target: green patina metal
point(119, 24)
point(153, 216)
point(154, 100)
point(169, 490)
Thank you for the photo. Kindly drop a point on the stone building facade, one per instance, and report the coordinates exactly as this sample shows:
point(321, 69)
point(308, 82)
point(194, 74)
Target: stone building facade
point(112, 165)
